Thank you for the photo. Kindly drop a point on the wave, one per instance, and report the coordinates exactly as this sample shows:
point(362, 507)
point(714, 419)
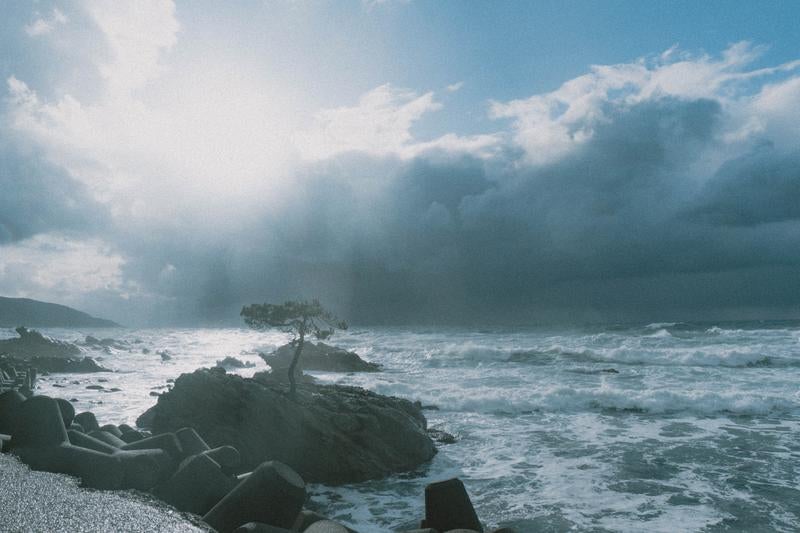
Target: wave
point(605, 399)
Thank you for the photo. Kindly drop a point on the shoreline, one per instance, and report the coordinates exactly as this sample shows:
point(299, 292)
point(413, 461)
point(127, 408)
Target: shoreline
point(42, 501)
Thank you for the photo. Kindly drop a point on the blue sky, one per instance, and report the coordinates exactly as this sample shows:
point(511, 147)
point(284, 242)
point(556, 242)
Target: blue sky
point(437, 161)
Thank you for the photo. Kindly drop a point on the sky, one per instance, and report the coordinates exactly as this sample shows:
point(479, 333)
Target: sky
point(406, 162)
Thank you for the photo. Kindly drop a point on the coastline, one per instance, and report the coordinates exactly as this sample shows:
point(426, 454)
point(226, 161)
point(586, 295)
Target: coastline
point(43, 501)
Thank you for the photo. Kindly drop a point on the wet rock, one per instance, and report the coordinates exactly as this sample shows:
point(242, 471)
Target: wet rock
point(95, 387)
point(319, 356)
point(441, 436)
point(191, 443)
point(61, 365)
point(105, 343)
point(108, 438)
point(232, 363)
point(329, 434)
point(77, 438)
point(31, 343)
point(165, 356)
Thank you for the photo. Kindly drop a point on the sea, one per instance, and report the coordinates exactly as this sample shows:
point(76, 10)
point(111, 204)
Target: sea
point(632, 427)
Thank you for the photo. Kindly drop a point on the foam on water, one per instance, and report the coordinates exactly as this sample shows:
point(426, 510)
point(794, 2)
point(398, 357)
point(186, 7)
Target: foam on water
point(662, 427)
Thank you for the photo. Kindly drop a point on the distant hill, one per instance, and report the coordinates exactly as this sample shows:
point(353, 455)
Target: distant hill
point(25, 312)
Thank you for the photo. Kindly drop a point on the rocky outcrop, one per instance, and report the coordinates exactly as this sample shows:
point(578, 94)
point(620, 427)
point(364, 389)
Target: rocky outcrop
point(329, 434)
point(57, 365)
point(16, 311)
point(231, 362)
point(31, 343)
point(319, 356)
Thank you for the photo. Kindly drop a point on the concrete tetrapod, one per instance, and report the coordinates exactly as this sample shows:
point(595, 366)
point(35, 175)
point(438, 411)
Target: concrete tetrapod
point(272, 494)
point(447, 506)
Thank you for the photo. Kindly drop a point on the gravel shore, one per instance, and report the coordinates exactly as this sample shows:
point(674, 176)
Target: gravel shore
point(40, 501)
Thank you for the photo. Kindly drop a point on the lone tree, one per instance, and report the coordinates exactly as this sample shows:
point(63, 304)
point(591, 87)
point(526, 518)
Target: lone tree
point(299, 318)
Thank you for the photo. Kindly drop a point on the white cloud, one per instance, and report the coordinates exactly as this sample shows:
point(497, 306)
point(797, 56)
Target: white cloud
point(453, 87)
point(45, 25)
point(58, 267)
point(548, 126)
point(380, 124)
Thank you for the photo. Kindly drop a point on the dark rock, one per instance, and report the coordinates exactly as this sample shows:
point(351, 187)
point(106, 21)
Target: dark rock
point(87, 420)
point(165, 356)
point(165, 441)
point(105, 343)
point(424, 530)
point(610, 370)
point(196, 487)
point(441, 436)
point(124, 428)
point(447, 507)
point(38, 423)
point(76, 427)
point(232, 362)
point(329, 434)
point(319, 356)
point(273, 494)
point(61, 365)
point(95, 387)
point(31, 343)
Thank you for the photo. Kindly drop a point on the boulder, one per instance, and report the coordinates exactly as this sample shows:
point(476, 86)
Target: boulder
point(329, 434)
point(319, 356)
point(273, 494)
point(232, 363)
point(448, 507)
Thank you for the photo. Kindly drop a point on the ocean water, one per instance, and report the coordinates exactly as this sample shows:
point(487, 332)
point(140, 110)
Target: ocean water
point(656, 427)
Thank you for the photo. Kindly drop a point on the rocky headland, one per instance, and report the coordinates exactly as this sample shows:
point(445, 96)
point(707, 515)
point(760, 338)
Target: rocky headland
point(329, 434)
point(319, 356)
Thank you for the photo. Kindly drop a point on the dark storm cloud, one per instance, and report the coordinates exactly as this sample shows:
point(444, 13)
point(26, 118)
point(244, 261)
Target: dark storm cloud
point(623, 227)
point(38, 197)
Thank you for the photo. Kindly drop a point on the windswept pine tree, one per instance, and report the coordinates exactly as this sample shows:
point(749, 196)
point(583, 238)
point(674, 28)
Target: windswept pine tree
point(298, 318)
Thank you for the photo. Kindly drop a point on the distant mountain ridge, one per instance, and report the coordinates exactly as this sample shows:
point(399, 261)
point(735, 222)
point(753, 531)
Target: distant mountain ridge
point(26, 312)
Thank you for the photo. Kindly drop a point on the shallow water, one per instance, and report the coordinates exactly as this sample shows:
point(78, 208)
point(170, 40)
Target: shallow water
point(659, 427)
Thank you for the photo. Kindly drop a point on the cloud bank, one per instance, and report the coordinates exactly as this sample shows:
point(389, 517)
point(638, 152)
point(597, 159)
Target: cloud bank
point(667, 187)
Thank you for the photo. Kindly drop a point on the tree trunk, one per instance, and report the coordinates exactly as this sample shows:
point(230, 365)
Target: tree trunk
point(293, 365)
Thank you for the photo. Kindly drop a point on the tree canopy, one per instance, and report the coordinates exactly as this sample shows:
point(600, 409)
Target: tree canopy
point(296, 317)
